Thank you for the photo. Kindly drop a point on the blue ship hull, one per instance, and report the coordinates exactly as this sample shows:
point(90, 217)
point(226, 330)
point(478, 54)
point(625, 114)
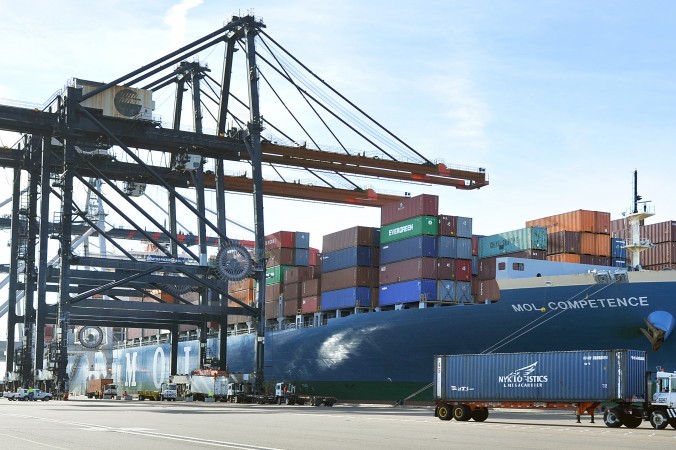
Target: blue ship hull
point(386, 356)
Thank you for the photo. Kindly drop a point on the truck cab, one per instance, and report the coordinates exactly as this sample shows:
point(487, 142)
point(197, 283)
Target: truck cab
point(168, 391)
point(665, 392)
point(110, 391)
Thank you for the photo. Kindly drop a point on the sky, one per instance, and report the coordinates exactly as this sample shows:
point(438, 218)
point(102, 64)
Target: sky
point(560, 101)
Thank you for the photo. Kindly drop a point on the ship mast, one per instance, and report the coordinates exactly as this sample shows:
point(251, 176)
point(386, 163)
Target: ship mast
point(634, 217)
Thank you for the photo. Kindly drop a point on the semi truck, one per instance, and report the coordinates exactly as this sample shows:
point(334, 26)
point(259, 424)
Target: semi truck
point(286, 393)
point(101, 388)
point(465, 386)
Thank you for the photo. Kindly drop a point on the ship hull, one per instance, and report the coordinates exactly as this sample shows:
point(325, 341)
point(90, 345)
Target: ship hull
point(387, 356)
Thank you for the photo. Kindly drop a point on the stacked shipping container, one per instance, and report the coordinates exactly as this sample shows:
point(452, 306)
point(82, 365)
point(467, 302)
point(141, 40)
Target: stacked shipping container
point(285, 250)
point(580, 236)
point(662, 235)
point(530, 243)
point(349, 269)
point(424, 255)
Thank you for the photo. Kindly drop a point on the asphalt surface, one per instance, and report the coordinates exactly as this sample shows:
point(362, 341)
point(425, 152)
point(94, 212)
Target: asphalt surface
point(116, 424)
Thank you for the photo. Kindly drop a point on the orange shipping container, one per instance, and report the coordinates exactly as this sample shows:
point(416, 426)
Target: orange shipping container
point(588, 243)
point(602, 245)
point(248, 297)
point(580, 220)
point(234, 286)
point(564, 257)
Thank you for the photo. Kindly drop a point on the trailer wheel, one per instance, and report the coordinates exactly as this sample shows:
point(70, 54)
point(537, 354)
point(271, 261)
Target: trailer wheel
point(480, 414)
point(444, 412)
point(672, 422)
point(631, 420)
point(659, 419)
point(612, 418)
point(462, 413)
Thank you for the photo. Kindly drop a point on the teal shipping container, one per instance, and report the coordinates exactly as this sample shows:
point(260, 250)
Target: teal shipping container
point(531, 238)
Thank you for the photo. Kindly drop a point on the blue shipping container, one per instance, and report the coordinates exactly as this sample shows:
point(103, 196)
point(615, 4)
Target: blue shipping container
point(445, 290)
point(463, 292)
point(301, 257)
point(573, 376)
point(447, 247)
point(464, 227)
point(415, 247)
point(302, 239)
point(617, 248)
point(463, 248)
point(346, 298)
point(407, 291)
point(347, 257)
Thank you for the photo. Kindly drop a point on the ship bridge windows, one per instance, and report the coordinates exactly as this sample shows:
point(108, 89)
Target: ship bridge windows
point(518, 266)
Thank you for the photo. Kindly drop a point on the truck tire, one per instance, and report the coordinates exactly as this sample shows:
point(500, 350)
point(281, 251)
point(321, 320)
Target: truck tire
point(462, 413)
point(631, 420)
point(480, 414)
point(444, 412)
point(659, 419)
point(612, 418)
point(672, 422)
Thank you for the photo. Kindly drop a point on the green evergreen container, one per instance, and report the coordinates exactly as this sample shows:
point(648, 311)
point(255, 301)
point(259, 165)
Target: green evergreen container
point(415, 226)
point(275, 274)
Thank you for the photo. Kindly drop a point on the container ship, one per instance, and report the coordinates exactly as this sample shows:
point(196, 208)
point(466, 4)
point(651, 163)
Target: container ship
point(362, 319)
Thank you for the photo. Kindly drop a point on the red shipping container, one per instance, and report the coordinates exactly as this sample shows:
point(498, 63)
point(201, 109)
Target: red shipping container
point(448, 225)
point(663, 253)
point(280, 256)
point(351, 237)
point(421, 205)
point(445, 269)
point(349, 277)
point(272, 310)
point(563, 242)
point(484, 290)
point(281, 239)
point(291, 291)
point(309, 305)
point(310, 288)
point(297, 274)
point(660, 232)
point(314, 256)
point(291, 307)
point(580, 220)
point(463, 270)
point(487, 268)
point(272, 292)
point(475, 245)
point(409, 269)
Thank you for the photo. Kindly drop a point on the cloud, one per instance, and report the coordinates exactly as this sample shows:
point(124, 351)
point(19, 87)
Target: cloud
point(176, 19)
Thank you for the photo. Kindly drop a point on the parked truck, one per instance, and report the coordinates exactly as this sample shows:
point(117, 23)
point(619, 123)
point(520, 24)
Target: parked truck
point(212, 385)
point(168, 392)
point(25, 394)
point(286, 393)
point(101, 388)
point(466, 386)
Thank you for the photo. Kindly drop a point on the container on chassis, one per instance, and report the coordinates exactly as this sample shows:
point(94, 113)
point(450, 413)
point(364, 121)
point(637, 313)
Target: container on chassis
point(465, 386)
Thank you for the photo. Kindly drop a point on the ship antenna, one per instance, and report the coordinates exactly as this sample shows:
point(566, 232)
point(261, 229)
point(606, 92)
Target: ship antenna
point(635, 218)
